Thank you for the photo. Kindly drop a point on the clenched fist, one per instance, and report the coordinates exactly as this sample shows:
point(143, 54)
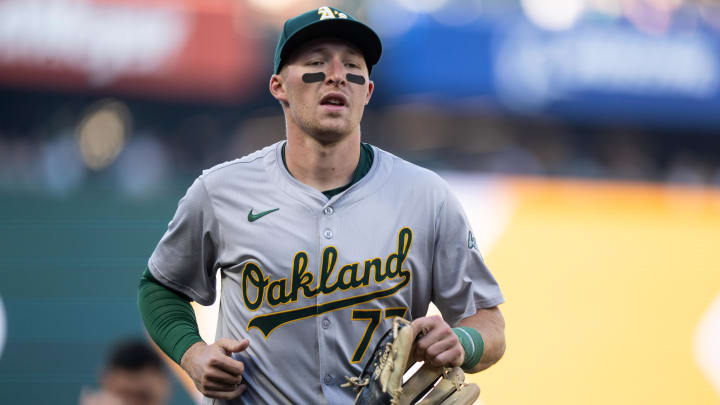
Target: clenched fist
point(437, 344)
point(214, 372)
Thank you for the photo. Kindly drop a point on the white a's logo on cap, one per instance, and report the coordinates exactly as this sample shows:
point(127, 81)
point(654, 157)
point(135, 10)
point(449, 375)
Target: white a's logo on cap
point(327, 12)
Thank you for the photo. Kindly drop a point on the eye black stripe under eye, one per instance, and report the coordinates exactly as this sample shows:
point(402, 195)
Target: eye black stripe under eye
point(313, 77)
point(320, 76)
point(357, 79)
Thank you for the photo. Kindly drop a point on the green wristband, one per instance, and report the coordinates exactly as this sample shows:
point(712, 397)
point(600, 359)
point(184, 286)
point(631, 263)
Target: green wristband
point(473, 344)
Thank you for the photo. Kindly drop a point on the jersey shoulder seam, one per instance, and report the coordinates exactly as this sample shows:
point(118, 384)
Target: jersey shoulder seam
point(248, 159)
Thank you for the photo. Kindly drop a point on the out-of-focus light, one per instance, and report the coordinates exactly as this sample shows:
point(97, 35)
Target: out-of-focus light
point(710, 12)
point(422, 6)
point(62, 164)
point(459, 12)
point(271, 7)
point(556, 15)
point(275, 13)
point(666, 5)
point(104, 39)
point(612, 8)
point(142, 167)
point(649, 16)
point(102, 133)
point(389, 18)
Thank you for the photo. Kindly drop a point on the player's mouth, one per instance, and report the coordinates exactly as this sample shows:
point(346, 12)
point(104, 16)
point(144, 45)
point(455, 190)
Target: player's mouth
point(334, 101)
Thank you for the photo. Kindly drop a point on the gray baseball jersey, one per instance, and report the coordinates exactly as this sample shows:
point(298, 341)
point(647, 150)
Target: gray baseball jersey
point(312, 282)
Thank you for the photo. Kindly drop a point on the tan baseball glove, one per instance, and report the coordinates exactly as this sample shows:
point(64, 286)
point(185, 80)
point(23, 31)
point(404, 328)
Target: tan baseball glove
point(381, 381)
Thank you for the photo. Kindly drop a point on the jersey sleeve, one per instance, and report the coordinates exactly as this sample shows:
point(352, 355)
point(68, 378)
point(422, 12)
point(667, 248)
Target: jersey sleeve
point(462, 283)
point(185, 259)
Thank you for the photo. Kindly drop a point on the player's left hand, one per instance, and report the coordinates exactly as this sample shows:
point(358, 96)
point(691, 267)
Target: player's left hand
point(437, 343)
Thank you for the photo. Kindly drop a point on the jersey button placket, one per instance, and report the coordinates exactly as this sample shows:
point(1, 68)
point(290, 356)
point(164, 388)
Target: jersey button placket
point(327, 220)
point(327, 225)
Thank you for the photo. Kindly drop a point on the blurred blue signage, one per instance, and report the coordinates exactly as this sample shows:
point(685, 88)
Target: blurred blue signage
point(595, 71)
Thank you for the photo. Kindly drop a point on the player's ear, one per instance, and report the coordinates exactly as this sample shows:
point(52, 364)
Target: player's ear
point(277, 88)
point(371, 87)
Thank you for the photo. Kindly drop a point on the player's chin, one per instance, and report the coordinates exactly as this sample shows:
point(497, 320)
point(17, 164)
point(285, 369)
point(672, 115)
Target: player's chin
point(328, 137)
point(331, 132)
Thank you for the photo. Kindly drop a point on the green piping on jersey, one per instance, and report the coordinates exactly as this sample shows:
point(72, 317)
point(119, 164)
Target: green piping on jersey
point(363, 167)
point(168, 317)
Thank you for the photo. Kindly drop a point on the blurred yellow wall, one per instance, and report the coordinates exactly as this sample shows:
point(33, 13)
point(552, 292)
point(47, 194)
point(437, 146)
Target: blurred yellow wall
point(606, 286)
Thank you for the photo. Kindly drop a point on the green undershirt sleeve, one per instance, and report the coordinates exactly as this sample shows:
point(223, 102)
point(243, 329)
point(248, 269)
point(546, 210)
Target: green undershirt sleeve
point(168, 317)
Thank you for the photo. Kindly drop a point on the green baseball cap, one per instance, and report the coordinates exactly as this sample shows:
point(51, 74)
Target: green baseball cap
point(327, 22)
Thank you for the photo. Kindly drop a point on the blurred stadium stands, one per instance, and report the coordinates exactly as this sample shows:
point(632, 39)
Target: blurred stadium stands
point(109, 108)
point(617, 89)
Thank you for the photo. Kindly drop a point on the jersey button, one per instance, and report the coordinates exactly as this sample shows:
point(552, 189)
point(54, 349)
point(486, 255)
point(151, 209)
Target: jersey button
point(328, 379)
point(328, 211)
point(325, 323)
point(328, 234)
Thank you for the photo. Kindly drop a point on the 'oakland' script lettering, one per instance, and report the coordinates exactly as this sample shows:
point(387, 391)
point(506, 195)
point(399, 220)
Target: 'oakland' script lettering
point(258, 288)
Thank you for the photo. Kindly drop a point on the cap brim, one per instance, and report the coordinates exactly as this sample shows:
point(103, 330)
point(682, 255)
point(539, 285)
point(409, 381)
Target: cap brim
point(352, 31)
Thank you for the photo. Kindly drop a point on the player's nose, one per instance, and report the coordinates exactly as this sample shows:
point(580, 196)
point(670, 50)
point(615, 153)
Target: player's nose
point(336, 72)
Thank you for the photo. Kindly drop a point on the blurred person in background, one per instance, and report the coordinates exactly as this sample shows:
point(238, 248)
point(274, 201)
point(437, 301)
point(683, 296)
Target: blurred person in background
point(134, 374)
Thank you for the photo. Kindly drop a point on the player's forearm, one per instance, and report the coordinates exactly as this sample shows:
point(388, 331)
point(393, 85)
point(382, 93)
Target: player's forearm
point(168, 317)
point(491, 325)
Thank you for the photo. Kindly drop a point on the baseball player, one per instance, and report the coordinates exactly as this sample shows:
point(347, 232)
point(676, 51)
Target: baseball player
point(319, 240)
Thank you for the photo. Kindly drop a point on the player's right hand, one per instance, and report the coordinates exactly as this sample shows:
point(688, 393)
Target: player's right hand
point(436, 343)
point(214, 372)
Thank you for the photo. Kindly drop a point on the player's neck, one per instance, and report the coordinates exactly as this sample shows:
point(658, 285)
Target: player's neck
point(322, 166)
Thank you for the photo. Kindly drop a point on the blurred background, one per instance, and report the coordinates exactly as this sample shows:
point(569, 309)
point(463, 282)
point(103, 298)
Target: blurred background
point(582, 136)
